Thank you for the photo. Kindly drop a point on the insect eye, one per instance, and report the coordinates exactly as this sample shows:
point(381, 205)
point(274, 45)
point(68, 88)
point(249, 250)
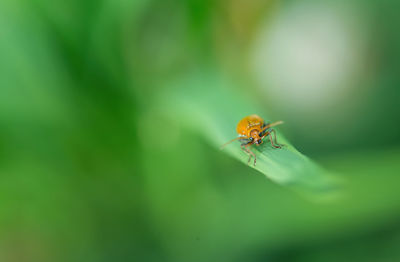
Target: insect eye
point(259, 141)
point(251, 139)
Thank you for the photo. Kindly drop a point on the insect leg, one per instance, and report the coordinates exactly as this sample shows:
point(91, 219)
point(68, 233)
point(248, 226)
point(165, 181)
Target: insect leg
point(272, 142)
point(264, 132)
point(248, 150)
point(276, 142)
point(245, 149)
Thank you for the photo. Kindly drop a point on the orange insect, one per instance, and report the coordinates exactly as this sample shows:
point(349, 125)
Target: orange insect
point(252, 129)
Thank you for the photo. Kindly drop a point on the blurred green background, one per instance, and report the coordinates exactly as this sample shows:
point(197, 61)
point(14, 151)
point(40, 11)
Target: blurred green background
point(95, 167)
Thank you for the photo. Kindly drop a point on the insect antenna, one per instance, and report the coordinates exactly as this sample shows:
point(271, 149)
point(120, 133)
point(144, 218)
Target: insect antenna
point(271, 125)
point(274, 124)
point(227, 143)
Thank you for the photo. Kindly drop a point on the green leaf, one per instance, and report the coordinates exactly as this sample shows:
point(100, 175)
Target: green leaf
point(212, 107)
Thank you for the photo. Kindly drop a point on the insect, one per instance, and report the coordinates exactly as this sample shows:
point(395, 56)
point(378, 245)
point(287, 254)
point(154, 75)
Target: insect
point(251, 130)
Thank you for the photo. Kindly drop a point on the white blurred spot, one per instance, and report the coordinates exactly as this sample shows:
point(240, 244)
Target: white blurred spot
point(307, 55)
